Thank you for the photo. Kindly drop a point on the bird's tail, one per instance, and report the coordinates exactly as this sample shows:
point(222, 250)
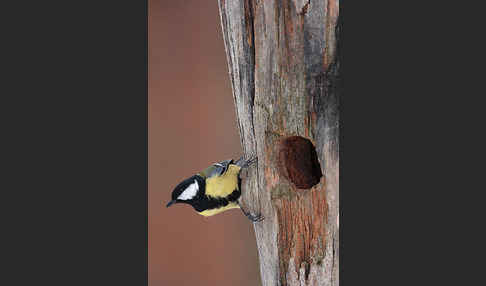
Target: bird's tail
point(243, 163)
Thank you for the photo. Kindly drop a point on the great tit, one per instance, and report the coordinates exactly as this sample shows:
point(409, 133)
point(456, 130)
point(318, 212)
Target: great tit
point(214, 190)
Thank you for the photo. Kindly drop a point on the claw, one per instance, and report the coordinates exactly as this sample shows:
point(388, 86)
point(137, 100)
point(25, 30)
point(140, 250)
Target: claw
point(251, 161)
point(253, 218)
point(246, 163)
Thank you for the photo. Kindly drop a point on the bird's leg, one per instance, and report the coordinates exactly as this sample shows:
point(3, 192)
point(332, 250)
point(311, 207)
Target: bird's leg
point(246, 163)
point(253, 218)
point(250, 161)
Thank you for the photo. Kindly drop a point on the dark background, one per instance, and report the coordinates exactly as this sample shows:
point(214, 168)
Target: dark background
point(192, 123)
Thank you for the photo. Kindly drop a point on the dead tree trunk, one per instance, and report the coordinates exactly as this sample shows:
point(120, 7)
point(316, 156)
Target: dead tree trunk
point(285, 74)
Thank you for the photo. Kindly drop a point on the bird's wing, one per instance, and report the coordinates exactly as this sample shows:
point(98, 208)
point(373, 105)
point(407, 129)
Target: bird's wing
point(216, 169)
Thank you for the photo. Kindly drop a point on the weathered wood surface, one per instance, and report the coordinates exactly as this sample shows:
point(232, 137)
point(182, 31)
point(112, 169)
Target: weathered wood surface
point(285, 75)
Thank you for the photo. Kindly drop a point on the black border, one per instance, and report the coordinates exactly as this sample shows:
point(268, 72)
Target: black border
point(74, 134)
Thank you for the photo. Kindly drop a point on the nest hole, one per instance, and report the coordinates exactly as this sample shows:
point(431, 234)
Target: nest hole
point(298, 162)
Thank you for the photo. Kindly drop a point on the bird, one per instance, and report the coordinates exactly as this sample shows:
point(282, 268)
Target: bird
point(215, 189)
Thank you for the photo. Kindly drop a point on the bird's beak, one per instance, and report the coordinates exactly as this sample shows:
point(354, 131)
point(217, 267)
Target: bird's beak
point(171, 203)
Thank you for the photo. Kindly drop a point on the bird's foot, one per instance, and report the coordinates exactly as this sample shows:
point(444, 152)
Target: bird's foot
point(251, 161)
point(250, 216)
point(246, 163)
point(255, 218)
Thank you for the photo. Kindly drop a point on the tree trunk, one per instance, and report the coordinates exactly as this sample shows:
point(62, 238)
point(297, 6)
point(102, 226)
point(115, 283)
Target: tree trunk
point(284, 64)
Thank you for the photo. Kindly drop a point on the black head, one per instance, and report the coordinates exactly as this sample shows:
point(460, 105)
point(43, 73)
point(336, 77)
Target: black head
point(188, 191)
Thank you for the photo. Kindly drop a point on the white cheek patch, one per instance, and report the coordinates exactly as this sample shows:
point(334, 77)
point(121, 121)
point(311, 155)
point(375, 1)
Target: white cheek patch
point(190, 192)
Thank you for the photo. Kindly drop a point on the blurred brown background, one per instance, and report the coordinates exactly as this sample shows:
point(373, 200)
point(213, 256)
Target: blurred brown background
point(192, 124)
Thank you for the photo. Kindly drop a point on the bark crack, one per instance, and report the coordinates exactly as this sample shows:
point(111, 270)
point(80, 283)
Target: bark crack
point(249, 7)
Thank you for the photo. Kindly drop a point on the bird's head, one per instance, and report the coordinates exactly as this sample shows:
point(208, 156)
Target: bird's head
point(187, 191)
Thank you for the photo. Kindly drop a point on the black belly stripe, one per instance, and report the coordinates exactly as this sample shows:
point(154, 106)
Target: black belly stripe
point(234, 195)
point(208, 203)
point(203, 202)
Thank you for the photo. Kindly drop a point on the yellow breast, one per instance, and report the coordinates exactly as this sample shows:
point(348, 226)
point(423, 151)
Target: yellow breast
point(223, 186)
point(219, 210)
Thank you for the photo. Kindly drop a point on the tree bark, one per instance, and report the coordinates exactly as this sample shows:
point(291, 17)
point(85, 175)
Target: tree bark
point(285, 68)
